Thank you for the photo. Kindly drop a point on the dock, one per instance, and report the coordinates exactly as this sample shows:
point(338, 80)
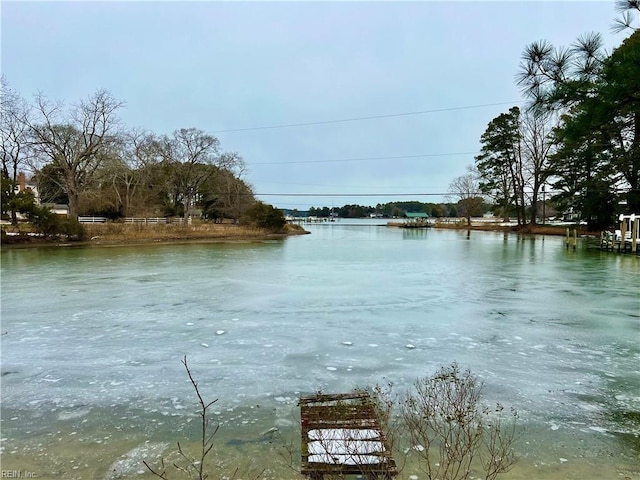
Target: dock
point(625, 239)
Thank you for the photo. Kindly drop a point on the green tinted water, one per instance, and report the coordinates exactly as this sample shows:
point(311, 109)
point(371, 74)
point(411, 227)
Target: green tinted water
point(93, 337)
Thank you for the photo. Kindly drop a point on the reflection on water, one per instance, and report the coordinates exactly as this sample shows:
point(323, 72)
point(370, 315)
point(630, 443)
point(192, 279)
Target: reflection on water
point(93, 337)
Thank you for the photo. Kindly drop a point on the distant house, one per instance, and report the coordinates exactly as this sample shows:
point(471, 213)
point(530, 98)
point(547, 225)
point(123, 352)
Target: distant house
point(58, 208)
point(23, 184)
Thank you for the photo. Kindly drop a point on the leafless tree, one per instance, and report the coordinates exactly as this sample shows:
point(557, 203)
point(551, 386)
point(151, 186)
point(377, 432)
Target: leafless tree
point(75, 141)
point(188, 151)
point(235, 193)
point(14, 135)
point(537, 144)
point(465, 189)
point(133, 168)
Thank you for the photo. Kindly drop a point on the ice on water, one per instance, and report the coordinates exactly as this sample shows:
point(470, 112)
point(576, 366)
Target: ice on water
point(260, 323)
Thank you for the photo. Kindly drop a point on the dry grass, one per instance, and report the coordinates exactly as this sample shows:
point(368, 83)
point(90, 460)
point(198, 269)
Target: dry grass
point(138, 233)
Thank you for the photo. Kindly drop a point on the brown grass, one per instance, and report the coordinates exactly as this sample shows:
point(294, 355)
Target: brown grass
point(138, 233)
point(115, 233)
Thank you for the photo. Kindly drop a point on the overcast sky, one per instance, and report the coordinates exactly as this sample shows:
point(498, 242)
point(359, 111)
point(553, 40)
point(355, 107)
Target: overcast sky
point(434, 73)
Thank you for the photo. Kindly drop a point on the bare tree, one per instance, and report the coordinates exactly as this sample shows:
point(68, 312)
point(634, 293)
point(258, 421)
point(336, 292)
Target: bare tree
point(187, 152)
point(236, 193)
point(537, 145)
point(139, 154)
point(76, 141)
point(14, 138)
point(465, 189)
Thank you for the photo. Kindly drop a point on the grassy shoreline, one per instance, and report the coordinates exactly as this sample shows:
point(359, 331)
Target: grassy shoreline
point(114, 234)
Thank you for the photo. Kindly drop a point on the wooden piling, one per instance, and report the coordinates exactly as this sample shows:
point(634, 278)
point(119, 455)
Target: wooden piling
point(623, 235)
point(571, 238)
point(634, 235)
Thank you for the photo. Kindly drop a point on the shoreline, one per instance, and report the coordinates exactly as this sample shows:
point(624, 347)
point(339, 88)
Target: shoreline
point(557, 230)
point(117, 234)
point(248, 438)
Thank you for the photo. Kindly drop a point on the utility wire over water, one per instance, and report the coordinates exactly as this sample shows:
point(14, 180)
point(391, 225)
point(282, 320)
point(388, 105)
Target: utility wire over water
point(371, 117)
point(94, 338)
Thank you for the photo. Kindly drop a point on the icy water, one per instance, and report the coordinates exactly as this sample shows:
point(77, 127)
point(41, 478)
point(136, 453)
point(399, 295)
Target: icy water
point(92, 342)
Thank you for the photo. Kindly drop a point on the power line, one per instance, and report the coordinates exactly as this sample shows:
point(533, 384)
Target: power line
point(423, 194)
point(357, 119)
point(351, 194)
point(297, 184)
point(361, 159)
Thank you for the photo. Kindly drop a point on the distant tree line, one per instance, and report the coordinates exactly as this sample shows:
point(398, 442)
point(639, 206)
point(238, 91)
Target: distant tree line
point(577, 138)
point(82, 156)
point(400, 209)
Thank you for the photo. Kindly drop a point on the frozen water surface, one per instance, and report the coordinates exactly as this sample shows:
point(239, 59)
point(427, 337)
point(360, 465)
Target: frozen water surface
point(554, 333)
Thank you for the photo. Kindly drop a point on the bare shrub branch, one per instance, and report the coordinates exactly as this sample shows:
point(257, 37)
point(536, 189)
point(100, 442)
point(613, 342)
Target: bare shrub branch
point(193, 467)
point(444, 418)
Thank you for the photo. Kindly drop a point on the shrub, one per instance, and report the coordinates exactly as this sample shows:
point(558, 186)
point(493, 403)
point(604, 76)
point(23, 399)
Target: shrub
point(50, 224)
point(73, 229)
point(44, 221)
point(444, 414)
point(266, 216)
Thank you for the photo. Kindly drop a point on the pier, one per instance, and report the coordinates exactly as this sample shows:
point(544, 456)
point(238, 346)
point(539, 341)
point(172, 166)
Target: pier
point(626, 238)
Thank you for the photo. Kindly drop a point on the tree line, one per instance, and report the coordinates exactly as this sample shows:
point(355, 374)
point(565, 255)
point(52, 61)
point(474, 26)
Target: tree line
point(400, 209)
point(81, 155)
point(577, 138)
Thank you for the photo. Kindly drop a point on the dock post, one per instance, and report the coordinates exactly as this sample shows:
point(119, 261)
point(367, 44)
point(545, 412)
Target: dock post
point(567, 238)
point(623, 235)
point(634, 234)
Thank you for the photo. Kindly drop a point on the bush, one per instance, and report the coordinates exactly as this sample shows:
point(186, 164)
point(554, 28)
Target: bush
point(266, 216)
point(44, 221)
point(73, 229)
point(50, 224)
point(443, 414)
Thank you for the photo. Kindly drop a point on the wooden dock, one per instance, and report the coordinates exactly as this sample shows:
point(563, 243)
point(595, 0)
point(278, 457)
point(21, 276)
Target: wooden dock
point(626, 238)
point(342, 435)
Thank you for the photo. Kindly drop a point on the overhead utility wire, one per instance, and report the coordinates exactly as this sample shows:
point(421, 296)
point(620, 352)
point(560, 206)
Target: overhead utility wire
point(361, 159)
point(357, 119)
point(354, 194)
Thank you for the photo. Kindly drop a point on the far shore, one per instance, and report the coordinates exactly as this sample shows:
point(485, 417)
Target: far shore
point(529, 229)
point(118, 234)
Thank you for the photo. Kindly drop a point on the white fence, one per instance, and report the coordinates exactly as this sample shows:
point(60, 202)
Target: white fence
point(154, 220)
point(92, 219)
point(138, 221)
